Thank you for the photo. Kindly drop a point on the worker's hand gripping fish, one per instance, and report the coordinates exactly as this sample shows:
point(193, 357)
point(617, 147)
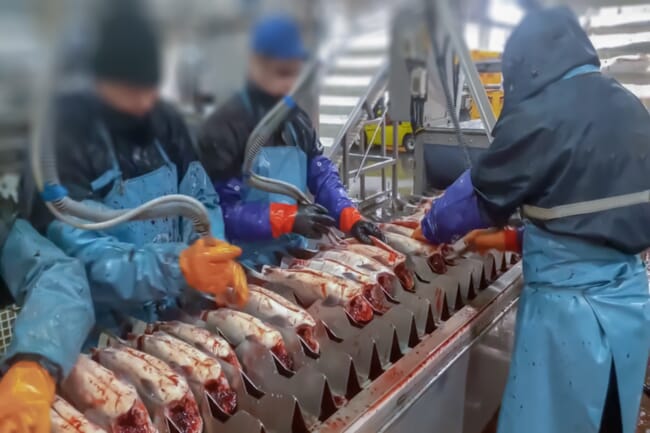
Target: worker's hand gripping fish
point(208, 266)
point(435, 255)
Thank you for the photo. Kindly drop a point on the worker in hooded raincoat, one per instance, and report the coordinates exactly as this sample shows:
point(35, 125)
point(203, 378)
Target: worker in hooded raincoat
point(571, 150)
point(55, 318)
point(262, 223)
point(119, 146)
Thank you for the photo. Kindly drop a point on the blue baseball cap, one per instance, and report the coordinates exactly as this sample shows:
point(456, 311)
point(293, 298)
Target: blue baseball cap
point(278, 37)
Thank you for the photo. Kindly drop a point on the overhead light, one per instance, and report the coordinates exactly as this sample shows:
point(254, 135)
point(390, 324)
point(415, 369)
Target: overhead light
point(332, 119)
point(359, 62)
point(619, 39)
point(505, 13)
point(613, 16)
point(338, 101)
point(348, 80)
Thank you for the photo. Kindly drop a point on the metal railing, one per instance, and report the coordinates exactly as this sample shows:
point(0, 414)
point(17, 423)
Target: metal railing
point(355, 166)
point(7, 318)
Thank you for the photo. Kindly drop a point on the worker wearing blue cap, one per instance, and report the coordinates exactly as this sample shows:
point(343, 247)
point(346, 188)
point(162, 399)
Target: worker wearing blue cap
point(265, 224)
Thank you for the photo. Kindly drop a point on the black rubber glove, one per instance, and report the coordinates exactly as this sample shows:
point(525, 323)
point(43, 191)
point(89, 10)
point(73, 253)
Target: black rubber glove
point(312, 221)
point(362, 230)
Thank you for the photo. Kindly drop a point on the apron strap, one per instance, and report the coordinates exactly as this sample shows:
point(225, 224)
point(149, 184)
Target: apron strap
point(294, 135)
point(581, 70)
point(245, 97)
point(114, 172)
point(164, 155)
point(586, 207)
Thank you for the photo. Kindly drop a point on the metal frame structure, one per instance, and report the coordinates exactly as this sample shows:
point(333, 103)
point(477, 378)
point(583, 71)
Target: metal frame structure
point(7, 318)
point(356, 165)
point(435, 374)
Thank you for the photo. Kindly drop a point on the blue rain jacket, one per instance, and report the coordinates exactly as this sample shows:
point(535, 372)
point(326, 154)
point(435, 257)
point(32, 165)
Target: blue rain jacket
point(57, 313)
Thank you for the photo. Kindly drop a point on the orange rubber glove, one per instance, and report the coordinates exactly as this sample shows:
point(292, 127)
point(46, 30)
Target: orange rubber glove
point(26, 394)
point(209, 266)
point(348, 218)
point(484, 240)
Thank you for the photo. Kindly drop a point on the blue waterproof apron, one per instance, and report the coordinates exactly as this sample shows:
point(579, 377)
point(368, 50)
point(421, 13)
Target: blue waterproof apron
point(584, 306)
point(286, 163)
point(131, 193)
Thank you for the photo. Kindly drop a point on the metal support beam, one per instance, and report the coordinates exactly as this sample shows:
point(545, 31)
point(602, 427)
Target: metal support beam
point(450, 25)
point(386, 162)
point(394, 178)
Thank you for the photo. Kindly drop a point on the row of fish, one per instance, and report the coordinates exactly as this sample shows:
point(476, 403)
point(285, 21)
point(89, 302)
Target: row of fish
point(362, 278)
point(165, 375)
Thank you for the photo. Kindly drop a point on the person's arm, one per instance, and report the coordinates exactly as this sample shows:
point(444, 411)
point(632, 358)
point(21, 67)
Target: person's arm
point(119, 271)
point(325, 184)
point(252, 221)
point(323, 178)
point(503, 178)
point(221, 149)
point(507, 239)
point(57, 312)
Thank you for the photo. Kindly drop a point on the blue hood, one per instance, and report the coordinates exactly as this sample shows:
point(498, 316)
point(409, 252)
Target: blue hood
point(546, 45)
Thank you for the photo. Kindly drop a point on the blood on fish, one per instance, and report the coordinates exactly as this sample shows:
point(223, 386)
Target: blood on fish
point(280, 351)
point(136, 420)
point(376, 298)
point(306, 333)
point(75, 422)
point(185, 415)
point(222, 394)
point(384, 281)
point(232, 360)
point(360, 310)
point(405, 276)
point(437, 263)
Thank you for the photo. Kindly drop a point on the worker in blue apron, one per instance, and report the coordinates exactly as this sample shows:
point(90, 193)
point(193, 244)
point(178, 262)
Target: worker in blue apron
point(571, 151)
point(118, 147)
point(268, 225)
point(55, 318)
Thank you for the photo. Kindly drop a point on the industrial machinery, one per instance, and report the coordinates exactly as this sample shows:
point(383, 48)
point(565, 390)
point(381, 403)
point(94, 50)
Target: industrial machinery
point(439, 357)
